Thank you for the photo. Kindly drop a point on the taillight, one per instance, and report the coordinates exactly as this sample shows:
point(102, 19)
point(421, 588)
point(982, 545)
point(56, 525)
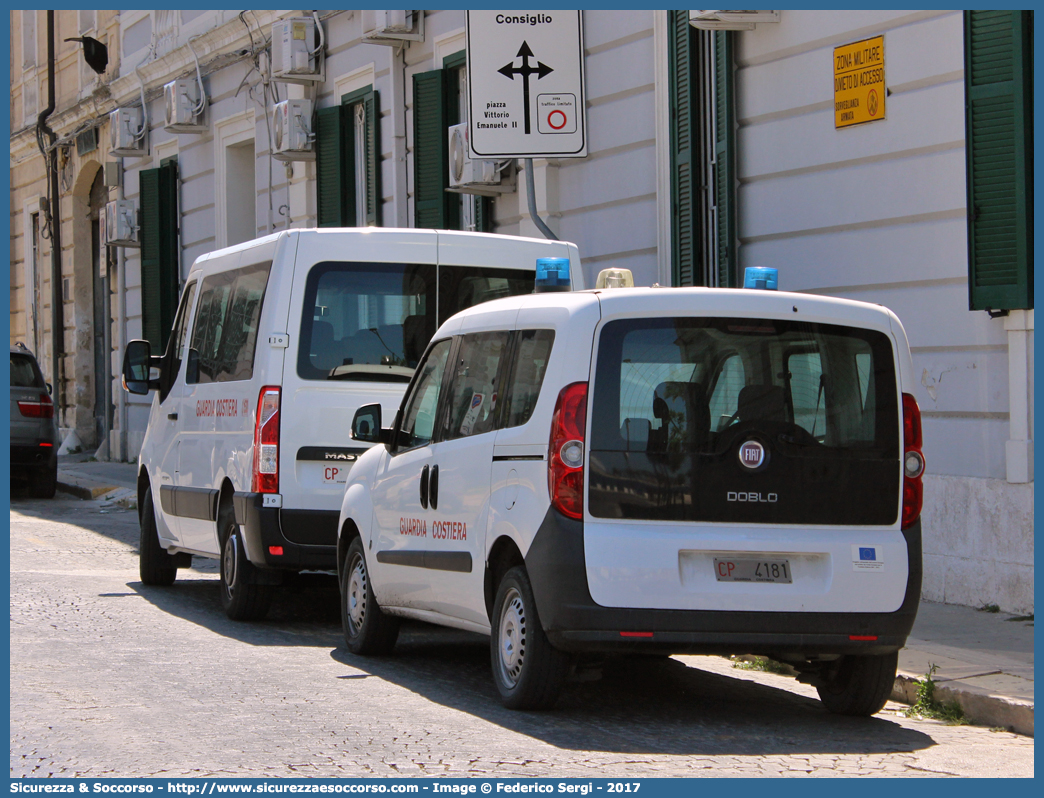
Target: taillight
point(565, 460)
point(38, 408)
point(913, 461)
point(266, 442)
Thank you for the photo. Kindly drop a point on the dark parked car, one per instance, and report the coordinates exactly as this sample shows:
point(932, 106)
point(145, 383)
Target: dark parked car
point(34, 429)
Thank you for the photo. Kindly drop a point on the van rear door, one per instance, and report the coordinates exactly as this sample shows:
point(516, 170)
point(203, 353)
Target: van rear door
point(753, 438)
point(362, 312)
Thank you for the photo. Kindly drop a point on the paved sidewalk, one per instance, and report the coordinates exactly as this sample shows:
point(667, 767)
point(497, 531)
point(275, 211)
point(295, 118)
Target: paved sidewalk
point(985, 660)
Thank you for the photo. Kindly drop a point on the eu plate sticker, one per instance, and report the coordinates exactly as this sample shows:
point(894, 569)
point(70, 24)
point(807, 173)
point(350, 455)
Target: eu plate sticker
point(867, 558)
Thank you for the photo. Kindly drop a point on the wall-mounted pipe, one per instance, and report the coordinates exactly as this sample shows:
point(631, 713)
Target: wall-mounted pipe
point(51, 165)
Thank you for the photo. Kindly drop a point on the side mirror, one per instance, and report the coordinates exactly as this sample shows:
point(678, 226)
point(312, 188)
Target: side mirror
point(49, 389)
point(137, 367)
point(366, 425)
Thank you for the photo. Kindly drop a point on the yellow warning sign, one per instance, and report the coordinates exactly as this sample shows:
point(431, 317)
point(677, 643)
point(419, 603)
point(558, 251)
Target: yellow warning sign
point(859, 82)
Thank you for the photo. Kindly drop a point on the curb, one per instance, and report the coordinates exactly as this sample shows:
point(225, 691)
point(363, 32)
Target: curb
point(84, 491)
point(980, 706)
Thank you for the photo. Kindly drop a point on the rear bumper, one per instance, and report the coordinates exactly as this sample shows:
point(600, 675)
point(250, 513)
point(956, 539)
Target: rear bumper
point(33, 457)
point(263, 529)
point(574, 622)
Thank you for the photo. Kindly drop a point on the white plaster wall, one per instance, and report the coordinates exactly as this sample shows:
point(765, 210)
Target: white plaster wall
point(978, 542)
point(876, 212)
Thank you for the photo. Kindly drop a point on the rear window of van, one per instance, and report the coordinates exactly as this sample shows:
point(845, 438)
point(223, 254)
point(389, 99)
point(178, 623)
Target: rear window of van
point(373, 321)
point(680, 396)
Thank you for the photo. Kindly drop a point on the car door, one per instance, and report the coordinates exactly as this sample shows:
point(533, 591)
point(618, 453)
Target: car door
point(459, 488)
point(170, 420)
point(402, 513)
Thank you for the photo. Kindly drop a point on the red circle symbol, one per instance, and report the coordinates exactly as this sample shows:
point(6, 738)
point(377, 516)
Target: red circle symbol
point(551, 116)
point(871, 103)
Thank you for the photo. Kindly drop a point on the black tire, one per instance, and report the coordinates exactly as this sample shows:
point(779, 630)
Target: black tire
point(529, 672)
point(44, 483)
point(860, 684)
point(367, 629)
point(241, 596)
point(155, 565)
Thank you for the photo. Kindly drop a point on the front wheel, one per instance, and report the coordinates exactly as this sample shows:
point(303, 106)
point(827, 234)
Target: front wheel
point(242, 598)
point(859, 684)
point(155, 565)
point(529, 672)
point(367, 629)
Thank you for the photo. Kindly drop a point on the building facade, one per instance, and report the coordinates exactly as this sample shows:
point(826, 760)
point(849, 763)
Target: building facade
point(709, 150)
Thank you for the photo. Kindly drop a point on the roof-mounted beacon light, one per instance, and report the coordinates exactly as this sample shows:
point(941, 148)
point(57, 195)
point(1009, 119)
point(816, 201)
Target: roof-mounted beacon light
point(615, 278)
point(760, 277)
point(552, 274)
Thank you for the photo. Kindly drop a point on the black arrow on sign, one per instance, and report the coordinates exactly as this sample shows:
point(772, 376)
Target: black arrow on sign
point(540, 70)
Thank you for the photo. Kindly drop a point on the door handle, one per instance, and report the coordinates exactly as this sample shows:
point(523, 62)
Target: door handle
point(172, 416)
point(424, 488)
point(433, 488)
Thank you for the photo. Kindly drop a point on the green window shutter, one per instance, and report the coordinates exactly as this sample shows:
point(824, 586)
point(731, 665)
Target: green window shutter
point(372, 110)
point(725, 158)
point(683, 200)
point(999, 138)
point(336, 204)
point(158, 193)
point(430, 160)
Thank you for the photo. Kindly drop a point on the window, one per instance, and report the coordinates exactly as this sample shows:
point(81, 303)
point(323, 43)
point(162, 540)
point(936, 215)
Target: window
point(473, 395)
point(369, 321)
point(820, 399)
point(998, 75)
point(418, 420)
point(225, 333)
point(241, 196)
point(702, 134)
point(532, 352)
point(24, 373)
point(348, 155)
point(176, 344)
point(463, 287)
point(160, 254)
point(438, 103)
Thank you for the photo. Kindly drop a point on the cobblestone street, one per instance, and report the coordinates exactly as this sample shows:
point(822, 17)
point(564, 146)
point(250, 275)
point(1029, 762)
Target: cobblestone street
point(110, 678)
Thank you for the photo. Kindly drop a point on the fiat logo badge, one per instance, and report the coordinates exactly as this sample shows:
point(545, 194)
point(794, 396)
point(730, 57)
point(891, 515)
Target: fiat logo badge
point(752, 454)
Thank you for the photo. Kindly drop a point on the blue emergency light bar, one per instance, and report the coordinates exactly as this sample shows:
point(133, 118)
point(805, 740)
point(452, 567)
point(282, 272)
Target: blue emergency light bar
point(760, 277)
point(552, 274)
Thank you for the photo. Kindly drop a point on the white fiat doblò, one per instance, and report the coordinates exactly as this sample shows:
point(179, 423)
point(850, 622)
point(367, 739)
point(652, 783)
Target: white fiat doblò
point(275, 345)
point(651, 470)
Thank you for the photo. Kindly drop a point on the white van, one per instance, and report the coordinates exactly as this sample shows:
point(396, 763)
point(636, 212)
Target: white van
point(648, 470)
point(275, 344)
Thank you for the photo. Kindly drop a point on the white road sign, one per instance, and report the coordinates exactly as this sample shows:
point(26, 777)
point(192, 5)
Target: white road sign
point(526, 95)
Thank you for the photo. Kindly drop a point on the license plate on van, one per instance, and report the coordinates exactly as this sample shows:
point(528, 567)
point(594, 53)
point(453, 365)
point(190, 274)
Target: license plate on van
point(735, 569)
point(335, 474)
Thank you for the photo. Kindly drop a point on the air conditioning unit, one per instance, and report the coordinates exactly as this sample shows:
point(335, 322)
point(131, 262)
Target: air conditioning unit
point(185, 113)
point(469, 176)
point(392, 27)
point(124, 124)
point(293, 59)
point(292, 131)
point(730, 20)
point(121, 224)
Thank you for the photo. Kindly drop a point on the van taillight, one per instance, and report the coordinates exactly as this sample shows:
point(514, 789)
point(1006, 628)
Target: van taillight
point(266, 442)
point(38, 408)
point(565, 457)
point(913, 461)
